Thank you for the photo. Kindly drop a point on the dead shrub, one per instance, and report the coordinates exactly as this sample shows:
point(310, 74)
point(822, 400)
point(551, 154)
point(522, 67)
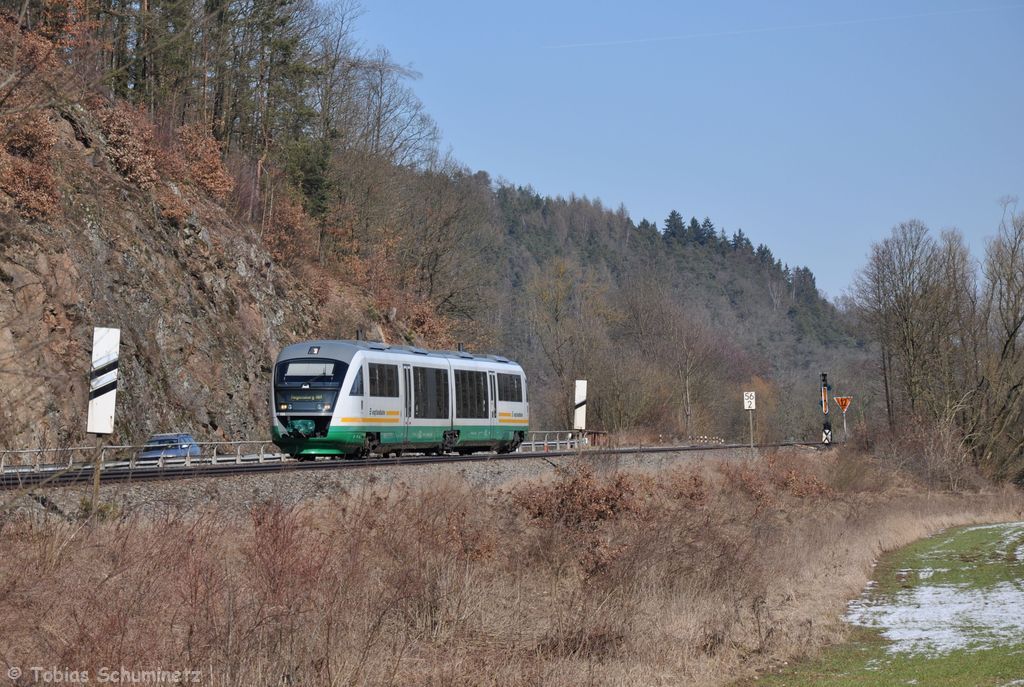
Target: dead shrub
point(171, 203)
point(289, 233)
point(25, 172)
point(774, 475)
point(578, 500)
point(857, 472)
point(29, 134)
point(130, 142)
point(30, 185)
point(750, 481)
point(688, 487)
point(202, 155)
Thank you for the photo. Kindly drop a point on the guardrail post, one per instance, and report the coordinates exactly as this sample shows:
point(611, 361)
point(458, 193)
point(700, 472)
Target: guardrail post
point(238, 454)
point(3, 459)
point(261, 453)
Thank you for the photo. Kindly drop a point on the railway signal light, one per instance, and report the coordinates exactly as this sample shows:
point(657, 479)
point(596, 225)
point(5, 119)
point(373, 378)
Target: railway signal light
point(826, 429)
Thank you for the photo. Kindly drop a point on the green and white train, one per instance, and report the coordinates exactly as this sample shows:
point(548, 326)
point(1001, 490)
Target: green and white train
point(352, 398)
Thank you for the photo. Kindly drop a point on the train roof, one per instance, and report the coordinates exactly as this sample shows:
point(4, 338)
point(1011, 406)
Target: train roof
point(346, 350)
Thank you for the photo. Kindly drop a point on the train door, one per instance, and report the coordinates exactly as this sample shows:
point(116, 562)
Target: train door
point(492, 385)
point(407, 406)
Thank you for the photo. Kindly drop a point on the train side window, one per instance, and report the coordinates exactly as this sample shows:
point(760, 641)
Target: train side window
point(383, 380)
point(431, 393)
point(510, 388)
point(357, 384)
point(471, 394)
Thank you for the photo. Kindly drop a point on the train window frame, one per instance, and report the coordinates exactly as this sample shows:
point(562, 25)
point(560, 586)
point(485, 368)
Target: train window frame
point(431, 393)
point(510, 387)
point(338, 370)
point(383, 377)
point(471, 397)
point(357, 384)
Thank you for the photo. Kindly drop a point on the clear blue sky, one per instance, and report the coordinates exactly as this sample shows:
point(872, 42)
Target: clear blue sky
point(813, 126)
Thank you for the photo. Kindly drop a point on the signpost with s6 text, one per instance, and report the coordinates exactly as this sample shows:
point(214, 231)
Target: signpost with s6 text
point(749, 405)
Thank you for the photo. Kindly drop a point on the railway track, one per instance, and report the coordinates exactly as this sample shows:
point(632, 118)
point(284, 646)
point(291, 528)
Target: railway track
point(79, 473)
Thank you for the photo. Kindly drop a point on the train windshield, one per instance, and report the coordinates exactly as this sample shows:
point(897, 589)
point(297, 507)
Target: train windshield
point(319, 372)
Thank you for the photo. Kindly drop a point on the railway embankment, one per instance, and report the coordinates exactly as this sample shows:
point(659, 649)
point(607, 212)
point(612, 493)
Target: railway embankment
point(656, 570)
point(241, 493)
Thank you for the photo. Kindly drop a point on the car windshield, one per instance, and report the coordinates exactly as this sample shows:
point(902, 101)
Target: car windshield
point(167, 441)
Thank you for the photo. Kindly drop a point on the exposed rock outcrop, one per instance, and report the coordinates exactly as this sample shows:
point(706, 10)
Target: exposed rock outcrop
point(202, 307)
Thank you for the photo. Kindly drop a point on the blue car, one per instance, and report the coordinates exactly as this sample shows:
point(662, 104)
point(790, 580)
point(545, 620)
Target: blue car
point(169, 446)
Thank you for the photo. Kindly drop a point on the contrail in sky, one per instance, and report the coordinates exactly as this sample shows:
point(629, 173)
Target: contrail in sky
point(791, 27)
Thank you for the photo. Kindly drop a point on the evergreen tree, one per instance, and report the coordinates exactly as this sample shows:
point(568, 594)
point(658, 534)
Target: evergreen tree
point(693, 232)
point(675, 230)
point(723, 242)
point(647, 227)
point(740, 242)
point(707, 232)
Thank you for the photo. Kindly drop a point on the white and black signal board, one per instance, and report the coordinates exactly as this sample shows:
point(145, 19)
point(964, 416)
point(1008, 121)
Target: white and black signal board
point(106, 343)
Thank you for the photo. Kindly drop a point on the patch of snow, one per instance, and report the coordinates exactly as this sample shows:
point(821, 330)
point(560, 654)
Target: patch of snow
point(975, 528)
point(1013, 533)
point(942, 618)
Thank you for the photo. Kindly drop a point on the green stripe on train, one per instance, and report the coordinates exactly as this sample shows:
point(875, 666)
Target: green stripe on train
point(350, 438)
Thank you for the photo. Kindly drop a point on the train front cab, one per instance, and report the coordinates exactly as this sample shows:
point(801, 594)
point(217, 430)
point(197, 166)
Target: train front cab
point(304, 396)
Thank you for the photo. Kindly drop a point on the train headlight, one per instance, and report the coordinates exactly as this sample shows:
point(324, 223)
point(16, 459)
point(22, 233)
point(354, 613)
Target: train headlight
point(327, 406)
point(283, 406)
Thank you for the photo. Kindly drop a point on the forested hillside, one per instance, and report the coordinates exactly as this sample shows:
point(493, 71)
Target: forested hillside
point(254, 146)
point(669, 322)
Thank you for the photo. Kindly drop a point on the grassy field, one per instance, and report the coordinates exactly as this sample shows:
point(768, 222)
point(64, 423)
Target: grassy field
point(948, 610)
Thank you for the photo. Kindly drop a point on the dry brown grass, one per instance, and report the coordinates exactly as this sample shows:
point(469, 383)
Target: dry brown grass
point(692, 575)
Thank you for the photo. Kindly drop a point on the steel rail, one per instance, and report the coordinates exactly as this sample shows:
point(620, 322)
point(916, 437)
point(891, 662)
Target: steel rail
point(80, 473)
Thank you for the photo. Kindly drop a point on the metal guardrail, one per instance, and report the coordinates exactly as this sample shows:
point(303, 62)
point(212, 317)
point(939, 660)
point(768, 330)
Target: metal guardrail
point(210, 452)
point(554, 440)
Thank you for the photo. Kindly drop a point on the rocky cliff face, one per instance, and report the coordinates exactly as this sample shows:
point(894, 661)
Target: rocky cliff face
point(202, 308)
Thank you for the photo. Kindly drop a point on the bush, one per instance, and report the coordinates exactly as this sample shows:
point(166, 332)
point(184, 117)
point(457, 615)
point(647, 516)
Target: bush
point(130, 143)
point(202, 154)
point(25, 173)
point(578, 500)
